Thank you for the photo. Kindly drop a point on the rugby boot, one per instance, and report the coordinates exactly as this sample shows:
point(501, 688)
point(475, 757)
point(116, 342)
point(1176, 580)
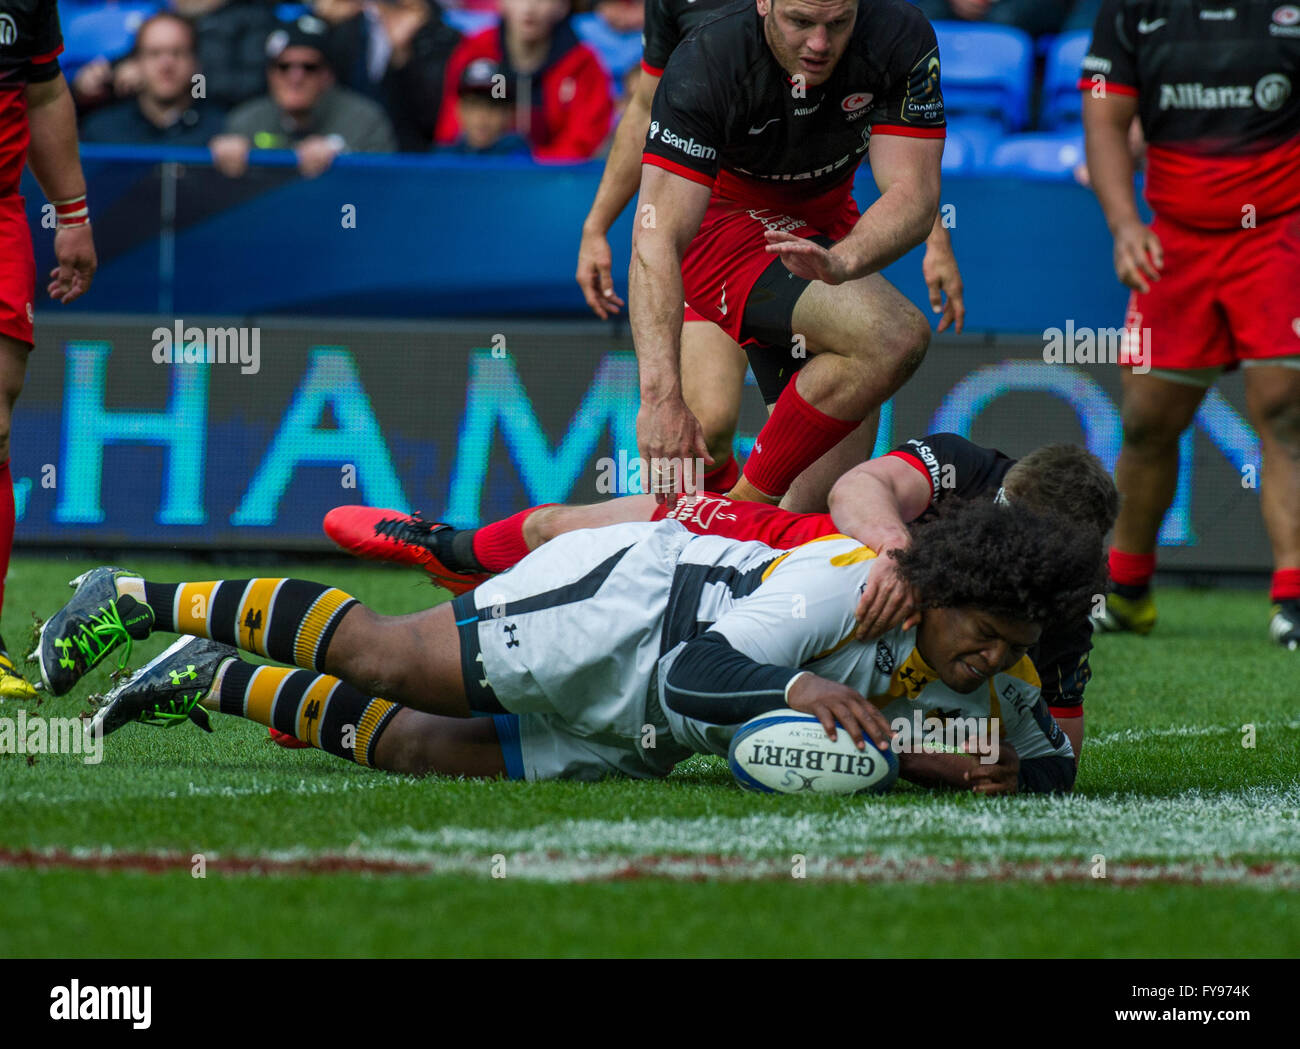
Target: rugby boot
point(407, 539)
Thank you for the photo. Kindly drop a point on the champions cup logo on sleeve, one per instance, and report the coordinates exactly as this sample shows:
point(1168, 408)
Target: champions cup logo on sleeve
point(923, 101)
point(1286, 21)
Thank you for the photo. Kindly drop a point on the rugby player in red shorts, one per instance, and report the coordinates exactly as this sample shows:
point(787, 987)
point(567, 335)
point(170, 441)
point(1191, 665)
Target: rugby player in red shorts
point(1215, 275)
point(872, 503)
point(712, 364)
point(37, 126)
point(759, 122)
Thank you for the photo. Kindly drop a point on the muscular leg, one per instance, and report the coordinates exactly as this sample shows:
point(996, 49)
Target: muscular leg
point(419, 744)
point(809, 491)
point(1273, 403)
point(411, 659)
point(713, 381)
point(864, 340)
point(1155, 412)
point(13, 370)
point(546, 522)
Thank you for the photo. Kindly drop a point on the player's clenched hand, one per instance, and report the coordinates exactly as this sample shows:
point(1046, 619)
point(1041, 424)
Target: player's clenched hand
point(807, 259)
point(1139, 258)
point(942, 277)
point(74, 248)
point(829, 702)
point(886, 601)
point(594, 269)
point(670, 439)
point(1002, 777)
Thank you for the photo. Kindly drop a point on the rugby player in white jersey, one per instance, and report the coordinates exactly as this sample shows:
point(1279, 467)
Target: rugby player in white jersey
point(605, 634)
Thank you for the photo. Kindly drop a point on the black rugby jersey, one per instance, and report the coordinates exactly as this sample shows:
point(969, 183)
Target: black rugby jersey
point(667, 22)
point(725, 103)
point(30, 42)
point(1216, 95)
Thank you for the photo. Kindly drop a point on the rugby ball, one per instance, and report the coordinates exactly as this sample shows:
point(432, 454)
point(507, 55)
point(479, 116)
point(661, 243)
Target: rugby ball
point(786, 752)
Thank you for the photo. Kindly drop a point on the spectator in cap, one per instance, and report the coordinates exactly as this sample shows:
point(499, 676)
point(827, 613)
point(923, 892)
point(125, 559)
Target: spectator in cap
point(395, 52)
point(485, 112)
point(560, 89)
point(165, 111)
point(305, 110)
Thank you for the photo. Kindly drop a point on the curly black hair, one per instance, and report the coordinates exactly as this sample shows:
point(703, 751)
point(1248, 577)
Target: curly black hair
point(1007, 560)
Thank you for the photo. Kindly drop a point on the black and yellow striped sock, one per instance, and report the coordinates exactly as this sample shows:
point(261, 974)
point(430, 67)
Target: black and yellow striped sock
point(315, 708)
point(288, 620)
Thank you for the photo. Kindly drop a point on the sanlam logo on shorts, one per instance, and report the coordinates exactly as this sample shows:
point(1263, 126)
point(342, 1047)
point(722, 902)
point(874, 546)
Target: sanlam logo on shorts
point(1270, 93)
point(687, 145)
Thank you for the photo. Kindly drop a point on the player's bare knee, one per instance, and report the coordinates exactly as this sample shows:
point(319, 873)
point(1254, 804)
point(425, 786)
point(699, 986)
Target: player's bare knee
point(541, 526)
point(360, 652)
point(907, 345)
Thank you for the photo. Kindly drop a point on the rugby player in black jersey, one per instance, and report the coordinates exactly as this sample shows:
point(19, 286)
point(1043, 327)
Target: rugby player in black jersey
point(746, 213)
point(712, 364)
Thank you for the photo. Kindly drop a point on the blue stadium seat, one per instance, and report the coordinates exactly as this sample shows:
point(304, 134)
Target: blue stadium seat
point(1038, 155)
point(291, 12)
point(980, 135)
point(986, 70)
point(1062, 103)
point(468, 22)
point(104, 31)
point(619, 51)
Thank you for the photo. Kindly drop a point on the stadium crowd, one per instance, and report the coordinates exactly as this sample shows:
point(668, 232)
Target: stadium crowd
point(482, 77)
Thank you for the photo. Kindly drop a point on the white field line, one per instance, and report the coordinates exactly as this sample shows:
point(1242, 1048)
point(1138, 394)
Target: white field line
point(1191, 827)
point(381, 781)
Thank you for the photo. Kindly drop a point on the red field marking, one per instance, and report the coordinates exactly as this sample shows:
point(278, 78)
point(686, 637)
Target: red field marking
point(555, 866)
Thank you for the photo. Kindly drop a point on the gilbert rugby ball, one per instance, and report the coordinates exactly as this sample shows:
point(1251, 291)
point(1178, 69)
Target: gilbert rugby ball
point(785, 752)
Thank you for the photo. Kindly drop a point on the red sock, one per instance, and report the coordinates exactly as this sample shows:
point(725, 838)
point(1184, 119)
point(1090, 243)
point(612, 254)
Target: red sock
point(722, 479)
point(6, 524)
point(1131, 569)
point(500, 545)
point(1286, 585)
point(794, 437)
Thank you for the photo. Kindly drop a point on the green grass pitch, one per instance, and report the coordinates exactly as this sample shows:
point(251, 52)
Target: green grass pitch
point(1179, 840)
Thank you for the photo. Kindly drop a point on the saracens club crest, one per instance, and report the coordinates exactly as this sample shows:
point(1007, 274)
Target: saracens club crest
point(856, 102)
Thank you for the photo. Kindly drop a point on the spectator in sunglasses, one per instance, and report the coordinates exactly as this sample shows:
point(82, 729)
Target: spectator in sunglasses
point(304, 110)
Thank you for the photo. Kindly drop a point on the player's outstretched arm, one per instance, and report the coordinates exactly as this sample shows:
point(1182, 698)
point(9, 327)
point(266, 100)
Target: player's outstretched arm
point(873, 503)
point(54, 160)
point(669, 213)
point(618, 185)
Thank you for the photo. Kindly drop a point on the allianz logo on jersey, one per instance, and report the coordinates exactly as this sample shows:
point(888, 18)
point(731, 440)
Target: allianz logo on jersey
point(687, 145)
point(1269, 93)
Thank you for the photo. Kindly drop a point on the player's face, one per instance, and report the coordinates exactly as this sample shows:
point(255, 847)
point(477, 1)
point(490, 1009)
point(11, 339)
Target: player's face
point(808, 37)
point(967, 646)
